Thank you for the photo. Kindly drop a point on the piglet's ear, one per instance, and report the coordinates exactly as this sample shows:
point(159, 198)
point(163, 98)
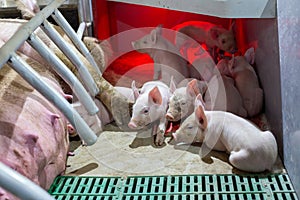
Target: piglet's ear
point(153, 36)
point(200, 117)
point(199, 101)
point(172, 85)
point(214, 32)
point(155, 96)
point(192, 88)
point(250, 55)
point(159, 29)
point(135, 90)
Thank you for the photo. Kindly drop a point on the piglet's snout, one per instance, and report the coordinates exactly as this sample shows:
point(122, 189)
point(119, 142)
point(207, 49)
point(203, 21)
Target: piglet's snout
point(169, 117)
point(132, 125)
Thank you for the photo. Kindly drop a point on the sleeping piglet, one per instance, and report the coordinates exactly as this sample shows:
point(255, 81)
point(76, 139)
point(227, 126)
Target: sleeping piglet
point(247, 83)
point(150, 106)
point(204, 33)
point(223, 95)
point(250, 148)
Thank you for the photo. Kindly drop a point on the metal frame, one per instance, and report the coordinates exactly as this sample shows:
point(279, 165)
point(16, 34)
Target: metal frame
point(10, 179)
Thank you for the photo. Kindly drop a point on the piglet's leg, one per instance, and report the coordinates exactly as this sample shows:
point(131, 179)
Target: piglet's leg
point(240, 159)
point(160, 138)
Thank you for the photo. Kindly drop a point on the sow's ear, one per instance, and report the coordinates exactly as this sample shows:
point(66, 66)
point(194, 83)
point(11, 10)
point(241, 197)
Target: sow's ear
point(155, 96)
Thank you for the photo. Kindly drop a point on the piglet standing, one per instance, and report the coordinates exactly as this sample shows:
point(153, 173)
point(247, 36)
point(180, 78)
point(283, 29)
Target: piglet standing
point(166, 56)
point(150, 107)
point(181, 103)
point(247, 83)
point(250, 148)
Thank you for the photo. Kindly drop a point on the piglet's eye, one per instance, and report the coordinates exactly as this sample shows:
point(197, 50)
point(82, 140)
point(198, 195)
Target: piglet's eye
point(190, 126)
point(146, 111)
point(145, 42)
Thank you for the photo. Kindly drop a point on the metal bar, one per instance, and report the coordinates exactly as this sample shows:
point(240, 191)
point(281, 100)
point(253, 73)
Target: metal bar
point(34, 79)
point(65, 73)
point(21, 186)
point(85, 14)
point(69, 52)
point(23, 33)
point(81, 29)
point(62, 22)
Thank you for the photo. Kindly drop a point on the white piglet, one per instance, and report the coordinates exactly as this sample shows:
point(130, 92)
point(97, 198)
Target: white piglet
point(166, 56)
point(150, 106)
point(222, 95)
point(246, 81)
point(250, 148)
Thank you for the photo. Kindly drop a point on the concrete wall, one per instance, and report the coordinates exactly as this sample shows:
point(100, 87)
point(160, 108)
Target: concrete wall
point(289, 51)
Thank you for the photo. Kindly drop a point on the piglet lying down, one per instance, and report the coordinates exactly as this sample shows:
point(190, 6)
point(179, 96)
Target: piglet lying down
point(250, 148)
point(33, 136)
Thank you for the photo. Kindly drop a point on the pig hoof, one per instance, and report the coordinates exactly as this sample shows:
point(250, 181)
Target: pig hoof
point(83, 144)
point(71, 130)
point(159, 140)
point(68, 97)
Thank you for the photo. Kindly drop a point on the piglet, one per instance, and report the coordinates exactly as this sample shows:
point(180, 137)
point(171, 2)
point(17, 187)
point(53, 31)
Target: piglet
point(247, 83)
point(166, 56)
point(103, 117)
point(150, 106)
point(181, 103)
point(202, 66)
point(204, 33)
point(249, 148)
point(223, 95)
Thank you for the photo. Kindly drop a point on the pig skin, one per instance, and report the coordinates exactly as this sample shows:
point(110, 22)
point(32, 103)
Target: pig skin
point(33, 136)
point(223, 95)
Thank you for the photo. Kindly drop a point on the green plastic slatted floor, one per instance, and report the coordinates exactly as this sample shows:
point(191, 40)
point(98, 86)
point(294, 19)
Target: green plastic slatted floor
point(185, 187)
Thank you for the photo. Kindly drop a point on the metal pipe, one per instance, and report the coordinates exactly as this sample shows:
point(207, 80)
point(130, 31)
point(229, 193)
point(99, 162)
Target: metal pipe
point(85, 14)
point(34, 79)
point(62, 22)
point(21, 186)
point(80, 30)
point(65, 73)
point(69, 52)
point(23, 33)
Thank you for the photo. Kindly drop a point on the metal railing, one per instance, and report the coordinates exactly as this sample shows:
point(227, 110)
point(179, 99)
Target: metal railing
point(9, 179)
